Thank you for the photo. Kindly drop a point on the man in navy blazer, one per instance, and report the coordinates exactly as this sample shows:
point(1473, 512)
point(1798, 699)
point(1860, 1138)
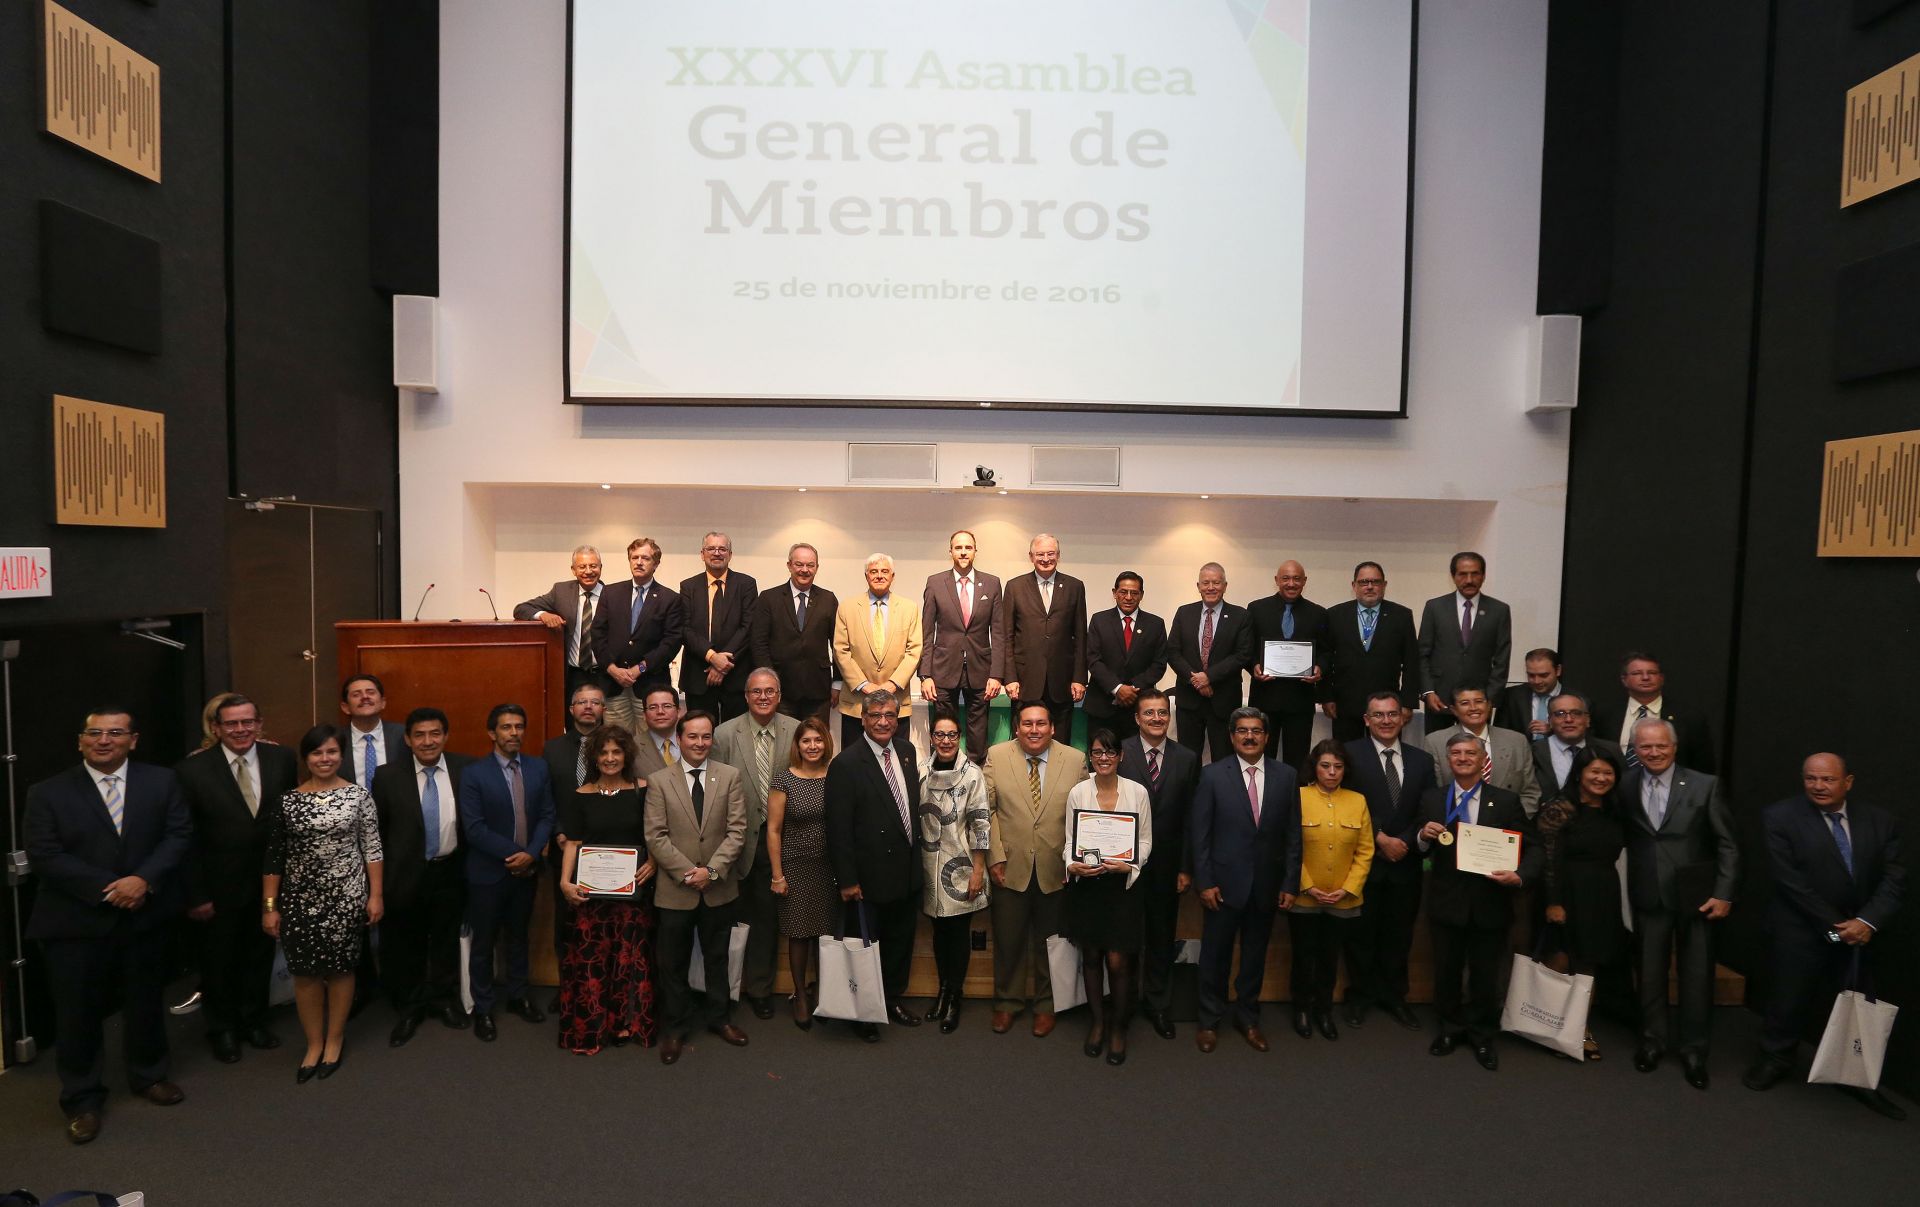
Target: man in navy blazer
point(637, 634)
point(107, 840)
point(1170, 773)
point(1126, 657)
point(1837, 882)
point(364, 701)
point(506, 817)
point(1393, 775)
point(1245, 863)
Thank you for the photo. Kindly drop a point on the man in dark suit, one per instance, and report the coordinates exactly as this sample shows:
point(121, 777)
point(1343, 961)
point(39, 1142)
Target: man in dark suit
point(225, 785)
point(1465, 637)
point(792, 631)
point(1470, 914)
point(1646, 696)
point(572, 606)
point(425, 885)
point(1682, 867)
point(1287, 615)
point(506, 818)
point(1525, 708)
point(1126, 656)
point(569, 766)
point(1371, 648)
point(958, 615)
point(637, 634)
point(1209, 644)
point(1170, 773)
point(1837, 881)
point(719, 613)
point(873, 794)
point(1246, 861)
point(1040, 652)
point(107, 840)
point(1572, 732)
point(1395, 777)
point(370, 738)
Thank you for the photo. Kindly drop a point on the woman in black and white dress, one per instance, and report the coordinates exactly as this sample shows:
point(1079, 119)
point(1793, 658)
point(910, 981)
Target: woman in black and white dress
point(954, 833)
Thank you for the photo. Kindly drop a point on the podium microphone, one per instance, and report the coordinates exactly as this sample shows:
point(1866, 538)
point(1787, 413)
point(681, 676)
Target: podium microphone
point(490, 604)
point(423, 599)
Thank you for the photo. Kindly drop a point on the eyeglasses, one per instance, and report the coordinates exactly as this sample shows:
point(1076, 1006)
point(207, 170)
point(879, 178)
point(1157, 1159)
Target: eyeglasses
point(763, 691)
point(1250, 731)
point(1558, 713)
point(104, 733)
point(248, 724)
point(1369, 582)
point(1382, 716)
point(1103, 754)
point(946, 736)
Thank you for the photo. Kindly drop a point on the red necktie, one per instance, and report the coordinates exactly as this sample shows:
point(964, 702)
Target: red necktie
point(1126, 633)
point(1253, 795)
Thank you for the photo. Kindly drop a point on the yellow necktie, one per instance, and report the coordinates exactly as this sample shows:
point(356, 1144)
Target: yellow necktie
point(878, 628)
point(1033, 779)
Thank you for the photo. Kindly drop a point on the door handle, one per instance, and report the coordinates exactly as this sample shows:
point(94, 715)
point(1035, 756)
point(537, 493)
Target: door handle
point(309, 655)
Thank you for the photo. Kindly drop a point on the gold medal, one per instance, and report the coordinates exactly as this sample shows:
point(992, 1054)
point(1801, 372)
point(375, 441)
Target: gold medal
point(1444, 838)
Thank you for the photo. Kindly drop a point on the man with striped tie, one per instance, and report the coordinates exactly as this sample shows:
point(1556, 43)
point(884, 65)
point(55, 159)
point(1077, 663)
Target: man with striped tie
point(757, 744)
point(107, 839)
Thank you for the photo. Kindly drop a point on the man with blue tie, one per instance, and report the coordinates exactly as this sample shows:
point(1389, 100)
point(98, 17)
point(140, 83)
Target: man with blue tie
point(1244, 837)
point(638, 633)
point(370, 739)
point(107, 840)
point(1371, 647)
point(506, 817)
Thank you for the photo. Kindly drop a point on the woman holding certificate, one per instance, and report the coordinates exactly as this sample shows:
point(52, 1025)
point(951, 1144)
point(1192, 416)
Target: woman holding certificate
point(1109, 837)
point(1336, 849)
point(797, 854)
point(606, 974)
point(1582, 835)
point(955, 826)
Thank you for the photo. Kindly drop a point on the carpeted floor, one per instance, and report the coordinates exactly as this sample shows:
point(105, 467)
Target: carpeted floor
point(920, 1117)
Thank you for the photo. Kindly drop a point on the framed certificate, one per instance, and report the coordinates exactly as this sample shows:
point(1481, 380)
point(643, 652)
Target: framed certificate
point(607, 871)
point(1287, 659)
point(1487, 849)
point(1105, 835)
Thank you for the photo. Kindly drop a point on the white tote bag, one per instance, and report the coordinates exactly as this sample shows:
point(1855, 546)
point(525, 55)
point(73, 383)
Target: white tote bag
point(1063, 969)
point(1547, 1007)
point(1855, 1042)
point(850, 985)
point(736, 958)
point(466, 962)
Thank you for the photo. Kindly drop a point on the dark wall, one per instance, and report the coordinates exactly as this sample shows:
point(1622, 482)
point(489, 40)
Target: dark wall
point(1708, 389)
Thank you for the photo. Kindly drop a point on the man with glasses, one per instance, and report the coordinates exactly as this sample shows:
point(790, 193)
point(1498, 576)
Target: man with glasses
point(719, 604)
point(1126, 655)
point(1371, 647)
point(227, 786)
point(1570, 732)
point(108, 839)
point(1394, 775)
point(572, 606)
point(757, 745)
point(792, 632)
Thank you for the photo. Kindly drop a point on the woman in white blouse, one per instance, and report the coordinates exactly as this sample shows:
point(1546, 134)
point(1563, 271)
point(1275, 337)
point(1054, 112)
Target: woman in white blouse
point(1105, 915)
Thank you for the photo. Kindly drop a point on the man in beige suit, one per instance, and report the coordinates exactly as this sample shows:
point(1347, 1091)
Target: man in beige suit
point(696, 826)
point(1510, 753)
point(659, 718)
point(1027, 784)
point(876, 641)
point(756, 744)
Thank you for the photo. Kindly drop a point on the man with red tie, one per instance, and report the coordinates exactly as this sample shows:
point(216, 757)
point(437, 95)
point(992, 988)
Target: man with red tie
point(958, 621)
point(1126, 655)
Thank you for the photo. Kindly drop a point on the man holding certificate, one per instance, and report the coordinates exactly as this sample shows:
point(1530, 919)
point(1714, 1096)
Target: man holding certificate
point(1482, 850)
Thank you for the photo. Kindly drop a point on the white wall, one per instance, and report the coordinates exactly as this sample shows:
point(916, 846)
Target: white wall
point(499, 478)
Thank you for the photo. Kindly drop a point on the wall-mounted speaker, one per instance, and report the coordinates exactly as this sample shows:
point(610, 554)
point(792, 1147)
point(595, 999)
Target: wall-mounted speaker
point(416, 343)
point(893, 465)
point(1553, 364)
point(1076, 465)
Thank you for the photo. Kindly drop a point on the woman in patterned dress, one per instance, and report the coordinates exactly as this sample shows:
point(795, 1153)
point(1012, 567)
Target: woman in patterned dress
point(797, 851)
point(606, 977)
point(954, 834)
point(321, 890)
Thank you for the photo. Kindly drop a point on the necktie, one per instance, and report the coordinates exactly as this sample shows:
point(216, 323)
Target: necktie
point(1286, 622)
point(1466, 621)
point(430, 812)
point(1393, 777)
point(579, 760)
point(1833, 819)
point(1046, 595)
point(1633, 756)
point(763, 761)
point(633, 610)
point(878, 628)
point(716, 595)
point(1153, 768)
point(1206, 638)
point(1126, 635)
point(1033, 779)
point(245, 780)
point(1656, 801)
point(800, 611)
point(666, 749)
point(893, 786)
point(368, 761)
point(1368, 618)
point(518, 790)
point(1540, 708)
point(582, 653)
point(966, 601)
point(110, 792)
point(1486, 757)
point(1253, 794)
point(699, 796)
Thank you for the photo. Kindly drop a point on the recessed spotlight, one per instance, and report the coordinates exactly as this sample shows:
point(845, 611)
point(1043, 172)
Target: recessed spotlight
point(1003, 492)
point(606, 486)
point(801, 489)
point(1206, 496)
point(986, 404)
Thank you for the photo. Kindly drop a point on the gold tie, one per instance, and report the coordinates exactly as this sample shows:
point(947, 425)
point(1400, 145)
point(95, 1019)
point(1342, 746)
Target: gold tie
point(246, 786)
point(878, 628)
point(1033, 779)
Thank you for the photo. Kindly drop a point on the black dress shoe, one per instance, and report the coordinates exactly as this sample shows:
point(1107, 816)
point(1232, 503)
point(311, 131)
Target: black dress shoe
point(1442, 1045)
point(525, 1008)
point(1302, 1024)
point(1117, 1052)
point(83, 1127)
point(900, 1016)
point(403, 1030)
point(950, 1021)
point(1488, 1058)
point(762, 1007)
point(1355, 1012)
point(453, 1016)
point(484, 1028)
point(939, 1008)
point(1647, 1058)
point(1696, 1070)
point(1878, 1103)
point(1404, 1015)
point(304, 1074)
point(870, 1032)
point(261, 1038)
point(1765, 1073)
point(226, 1047)
point(1324, 1020)
point(669, 1050)
point(1162, 1025)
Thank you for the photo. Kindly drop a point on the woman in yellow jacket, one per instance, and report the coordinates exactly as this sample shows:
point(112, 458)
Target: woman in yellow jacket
point(1336, 849)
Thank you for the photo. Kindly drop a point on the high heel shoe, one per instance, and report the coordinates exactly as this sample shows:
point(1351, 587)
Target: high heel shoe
point(329, 1067)
point(1096, 1040)
point(950, 1021)
point(1590, 1048)
point(1117, 1048)
point(939, 1007)
point(805, 1023)
point(305, 1073)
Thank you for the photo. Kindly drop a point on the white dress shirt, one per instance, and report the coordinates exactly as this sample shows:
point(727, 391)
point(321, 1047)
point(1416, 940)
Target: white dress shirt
point(1633, 718)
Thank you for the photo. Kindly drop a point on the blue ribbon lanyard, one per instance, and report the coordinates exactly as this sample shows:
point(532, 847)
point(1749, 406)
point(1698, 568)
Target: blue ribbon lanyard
point(1457, 808)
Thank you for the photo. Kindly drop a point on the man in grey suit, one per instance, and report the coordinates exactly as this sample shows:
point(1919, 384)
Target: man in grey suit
point(572, 606)
point(1465, 637)
point(1509, 757)
point(958, 619)
point(696, 827)
point(757, 744)
point(1571, 718)
point(1682, 865)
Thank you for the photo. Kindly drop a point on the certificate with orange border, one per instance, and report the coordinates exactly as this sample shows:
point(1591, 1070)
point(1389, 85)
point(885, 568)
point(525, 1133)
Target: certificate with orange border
point(607, 871)
point(1487, 849)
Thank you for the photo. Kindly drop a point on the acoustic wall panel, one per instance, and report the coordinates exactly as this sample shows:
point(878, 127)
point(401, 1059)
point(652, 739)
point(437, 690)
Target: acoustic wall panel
point(98, 280)
point(1881, 149)
point(110, 465)
point(99, 94)
point(1870, 498)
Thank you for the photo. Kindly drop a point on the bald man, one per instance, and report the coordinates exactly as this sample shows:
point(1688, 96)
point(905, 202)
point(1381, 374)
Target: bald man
point(1209, 647)
point(1289, 702)
point(1040, 650)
